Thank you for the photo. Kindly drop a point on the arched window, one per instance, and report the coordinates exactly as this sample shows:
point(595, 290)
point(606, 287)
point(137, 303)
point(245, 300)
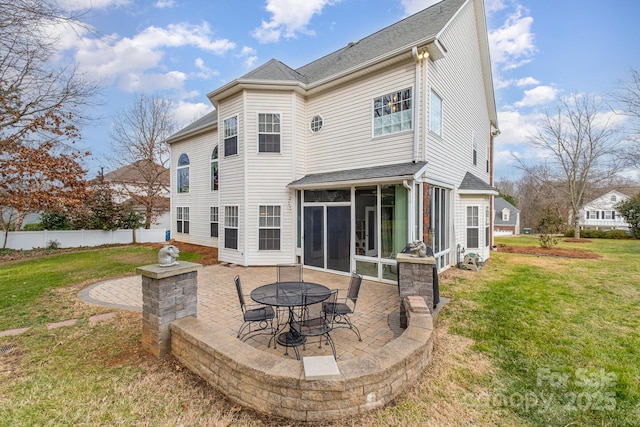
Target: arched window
point(183, 173)
point(214, 169)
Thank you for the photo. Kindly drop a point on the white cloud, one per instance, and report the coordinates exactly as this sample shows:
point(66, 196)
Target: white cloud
point(288, 18)
point(249, 55)
point(537, 96)
point(134, 60)
point(188, 112)
point(527, 81)
point(492, 6)
point(165, 4)
point(205, 72)
point(148, 82)
point(414, 6)
point(515, 128)
point(512, 45)
point(75, 5)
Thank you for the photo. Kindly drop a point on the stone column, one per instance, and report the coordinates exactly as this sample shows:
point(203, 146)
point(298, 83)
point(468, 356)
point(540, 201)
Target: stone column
point(415, 277)
point(168, 293)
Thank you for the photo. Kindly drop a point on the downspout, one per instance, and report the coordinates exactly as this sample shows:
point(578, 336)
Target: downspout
point(418, 57)
point(411, 209)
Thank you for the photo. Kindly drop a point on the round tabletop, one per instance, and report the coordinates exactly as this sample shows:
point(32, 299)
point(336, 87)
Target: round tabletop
point(290, 294)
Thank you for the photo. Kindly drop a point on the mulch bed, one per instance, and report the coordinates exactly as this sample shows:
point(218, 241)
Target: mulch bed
point(557, 252)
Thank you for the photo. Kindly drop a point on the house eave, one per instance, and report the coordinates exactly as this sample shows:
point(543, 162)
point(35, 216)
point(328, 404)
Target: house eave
point(478, 192)
point(239, 85)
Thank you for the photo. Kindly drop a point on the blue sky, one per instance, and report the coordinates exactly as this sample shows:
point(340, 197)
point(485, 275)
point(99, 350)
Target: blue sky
point(541, 51)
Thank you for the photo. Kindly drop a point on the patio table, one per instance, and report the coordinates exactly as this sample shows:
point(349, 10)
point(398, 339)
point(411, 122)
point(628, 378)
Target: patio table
point(290, 295)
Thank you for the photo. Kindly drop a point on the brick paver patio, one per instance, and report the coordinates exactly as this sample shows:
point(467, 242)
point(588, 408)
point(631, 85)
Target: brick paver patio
point(218, 304)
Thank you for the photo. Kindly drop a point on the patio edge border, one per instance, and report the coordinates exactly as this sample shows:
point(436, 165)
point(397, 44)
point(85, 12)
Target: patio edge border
point(276, 386)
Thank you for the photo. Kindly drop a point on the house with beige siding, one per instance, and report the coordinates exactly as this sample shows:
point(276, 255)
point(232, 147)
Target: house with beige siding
point(340, 163)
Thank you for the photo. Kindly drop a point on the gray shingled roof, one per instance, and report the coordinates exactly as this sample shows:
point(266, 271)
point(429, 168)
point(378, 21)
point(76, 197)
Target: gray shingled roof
point(498, 205)
point(406, 33)
point(205, 121)
point(418, 28)
point(473, 183)
point(400, 171)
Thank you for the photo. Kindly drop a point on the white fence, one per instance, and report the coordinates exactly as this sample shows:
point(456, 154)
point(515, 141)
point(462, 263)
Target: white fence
point(76, 238)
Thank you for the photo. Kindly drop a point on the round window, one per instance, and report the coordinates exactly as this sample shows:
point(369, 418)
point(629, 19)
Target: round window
point(316, 123)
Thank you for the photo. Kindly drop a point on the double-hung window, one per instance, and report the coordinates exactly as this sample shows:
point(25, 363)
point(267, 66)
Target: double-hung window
point(231, 136)
point(214, 169)
point(473, 235)
point(231, 222)
point(268, 133)
point(392, 112)
point(213, 218)
point(182, 219)
point(182, 172)
point(486, 225)
point(435, 114)
point(269, 228)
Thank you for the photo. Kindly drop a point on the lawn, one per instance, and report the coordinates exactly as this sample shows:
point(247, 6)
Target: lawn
point(528, 340)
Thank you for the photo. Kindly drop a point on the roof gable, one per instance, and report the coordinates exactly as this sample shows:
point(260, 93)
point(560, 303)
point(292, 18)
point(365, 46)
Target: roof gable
point(471, 184)
point(208, 121)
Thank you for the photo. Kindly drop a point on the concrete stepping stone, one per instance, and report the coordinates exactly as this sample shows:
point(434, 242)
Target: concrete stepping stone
point(13, 332)
point(55, 325)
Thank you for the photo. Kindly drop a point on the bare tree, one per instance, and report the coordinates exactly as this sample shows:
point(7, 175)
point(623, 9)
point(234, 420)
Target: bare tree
point(628, 96)
point(138, 136)
point(581, 144)
point(40, 112)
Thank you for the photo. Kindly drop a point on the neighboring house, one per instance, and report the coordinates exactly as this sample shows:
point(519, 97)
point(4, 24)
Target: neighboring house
point(145, 186)
point(506, 219)
point(340, 163)
point(601, 214)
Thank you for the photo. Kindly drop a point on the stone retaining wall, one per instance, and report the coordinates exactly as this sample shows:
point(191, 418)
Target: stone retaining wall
point(277, 386)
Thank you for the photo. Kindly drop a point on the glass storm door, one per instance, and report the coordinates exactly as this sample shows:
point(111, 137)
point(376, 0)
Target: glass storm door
point(330, 249)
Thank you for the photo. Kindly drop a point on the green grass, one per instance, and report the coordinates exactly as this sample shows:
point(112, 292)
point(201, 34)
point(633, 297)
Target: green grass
point(563, 333)
point(527, 341)
point(26, 286)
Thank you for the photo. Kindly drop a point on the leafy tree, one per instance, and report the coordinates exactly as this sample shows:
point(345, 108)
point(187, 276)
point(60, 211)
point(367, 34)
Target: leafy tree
point(630, 210)
point(581, 148)
point(139, 136)
point(54, 221)
point(40, 111)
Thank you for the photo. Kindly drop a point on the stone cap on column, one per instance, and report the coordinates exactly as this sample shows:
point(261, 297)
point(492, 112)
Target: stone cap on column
point(155, 271)
point(408, 258)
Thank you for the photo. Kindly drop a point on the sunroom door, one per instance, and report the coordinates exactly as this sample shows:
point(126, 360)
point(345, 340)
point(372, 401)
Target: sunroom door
point(328, 249)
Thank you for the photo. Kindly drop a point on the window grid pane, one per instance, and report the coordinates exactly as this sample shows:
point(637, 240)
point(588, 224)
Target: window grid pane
point(435, 114)
point(269, 228)
point(268, 133)
point(231, 136)
point(392, 113)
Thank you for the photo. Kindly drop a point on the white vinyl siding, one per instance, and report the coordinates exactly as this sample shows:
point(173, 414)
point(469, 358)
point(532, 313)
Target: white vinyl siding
point(348, 126)
point(199, 149)
point(458, 80)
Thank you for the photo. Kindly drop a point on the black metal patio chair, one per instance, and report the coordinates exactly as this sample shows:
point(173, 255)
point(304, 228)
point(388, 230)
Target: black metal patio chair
point(342, 308)
point(314, 324)
point(289, 273)
point(254, 314)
